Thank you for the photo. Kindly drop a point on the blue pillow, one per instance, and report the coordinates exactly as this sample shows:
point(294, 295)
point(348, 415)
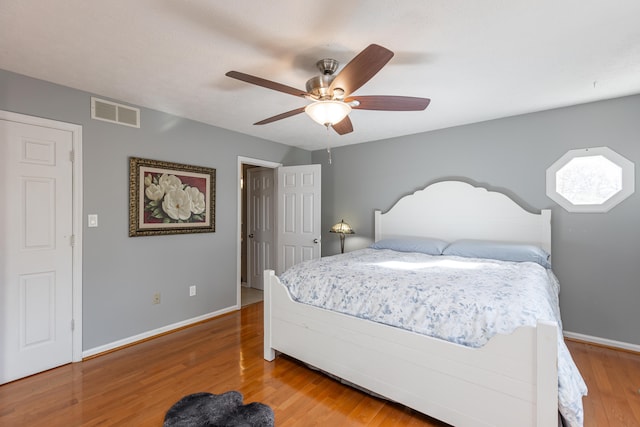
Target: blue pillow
point(425, 245)
point(504, 251)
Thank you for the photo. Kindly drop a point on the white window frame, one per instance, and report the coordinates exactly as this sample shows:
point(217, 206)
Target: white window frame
point(628, 179)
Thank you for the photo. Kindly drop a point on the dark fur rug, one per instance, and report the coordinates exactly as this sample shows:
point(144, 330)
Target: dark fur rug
point(218, 410)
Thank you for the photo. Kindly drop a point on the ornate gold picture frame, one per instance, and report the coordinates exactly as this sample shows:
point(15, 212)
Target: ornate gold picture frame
point(170, 198)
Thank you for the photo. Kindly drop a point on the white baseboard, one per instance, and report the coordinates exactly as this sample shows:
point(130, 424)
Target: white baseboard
point(150, 334)
point(603, 341)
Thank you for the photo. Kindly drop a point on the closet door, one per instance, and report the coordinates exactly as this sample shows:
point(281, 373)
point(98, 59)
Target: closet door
point(36, 260)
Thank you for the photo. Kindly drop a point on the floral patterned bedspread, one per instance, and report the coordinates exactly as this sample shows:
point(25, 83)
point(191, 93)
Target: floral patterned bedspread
point(462, 300)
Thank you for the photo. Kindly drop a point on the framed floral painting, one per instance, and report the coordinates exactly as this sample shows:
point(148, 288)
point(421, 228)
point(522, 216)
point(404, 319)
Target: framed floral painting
point(170, 198)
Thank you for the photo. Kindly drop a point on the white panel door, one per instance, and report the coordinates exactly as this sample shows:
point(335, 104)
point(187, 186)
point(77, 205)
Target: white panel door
point(298, 213)
point(260, 224)
point(36, 260)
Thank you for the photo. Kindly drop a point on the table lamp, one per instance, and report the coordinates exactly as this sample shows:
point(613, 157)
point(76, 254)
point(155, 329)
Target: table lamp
point(342, 228)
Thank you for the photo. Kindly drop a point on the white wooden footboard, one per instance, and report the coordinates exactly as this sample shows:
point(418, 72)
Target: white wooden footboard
point(511, 381)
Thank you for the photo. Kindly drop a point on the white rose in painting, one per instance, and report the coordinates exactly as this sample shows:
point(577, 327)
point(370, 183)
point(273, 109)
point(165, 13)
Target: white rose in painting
point(148, 180)
point(169, 182)
point(154, 192)
point(197, 200)
point(177, 204)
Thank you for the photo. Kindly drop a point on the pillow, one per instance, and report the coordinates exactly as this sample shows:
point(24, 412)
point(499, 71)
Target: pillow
point(425, 245)
point(504, 251)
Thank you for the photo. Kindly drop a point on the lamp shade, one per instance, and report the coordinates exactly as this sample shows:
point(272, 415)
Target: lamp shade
point(342, 228)
point(328, 112)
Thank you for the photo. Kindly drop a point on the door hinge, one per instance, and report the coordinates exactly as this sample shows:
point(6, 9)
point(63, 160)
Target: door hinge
point(73, 324)
point(72, 240)
point(72, 156)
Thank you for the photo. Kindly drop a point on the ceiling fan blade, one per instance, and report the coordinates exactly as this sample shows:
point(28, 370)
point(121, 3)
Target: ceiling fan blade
point(344, 126)
point(389, 103)
point(266, 83)
point(281, 116)
point(362, 68)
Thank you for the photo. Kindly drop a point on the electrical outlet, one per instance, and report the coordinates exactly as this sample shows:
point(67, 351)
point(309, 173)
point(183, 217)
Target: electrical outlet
point(156, 298)
point(192, 290)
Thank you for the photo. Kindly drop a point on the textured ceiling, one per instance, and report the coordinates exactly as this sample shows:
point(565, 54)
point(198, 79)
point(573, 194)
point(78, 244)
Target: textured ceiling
point(475, 60)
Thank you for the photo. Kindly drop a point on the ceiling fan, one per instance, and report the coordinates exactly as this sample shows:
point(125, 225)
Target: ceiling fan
point(332, 94)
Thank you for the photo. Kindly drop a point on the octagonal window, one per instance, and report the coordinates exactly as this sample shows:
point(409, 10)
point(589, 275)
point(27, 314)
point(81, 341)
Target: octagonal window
point(590, 180)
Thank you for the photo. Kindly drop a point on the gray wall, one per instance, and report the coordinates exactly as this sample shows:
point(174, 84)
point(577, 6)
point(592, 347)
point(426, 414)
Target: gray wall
point(121, 274)
point(595, 256)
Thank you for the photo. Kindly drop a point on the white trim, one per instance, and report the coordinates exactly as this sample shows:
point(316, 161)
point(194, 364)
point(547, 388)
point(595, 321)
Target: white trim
point(602, 341)
point(249, 161)
point(76, 134)
point(155, 332)
point(628, 179)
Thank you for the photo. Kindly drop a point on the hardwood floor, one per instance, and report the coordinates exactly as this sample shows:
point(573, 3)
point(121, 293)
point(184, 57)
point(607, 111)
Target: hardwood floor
point(613, 379)
point(135, 386)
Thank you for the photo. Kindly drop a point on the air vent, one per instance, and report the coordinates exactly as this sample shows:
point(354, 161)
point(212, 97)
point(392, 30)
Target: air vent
point(115, 113)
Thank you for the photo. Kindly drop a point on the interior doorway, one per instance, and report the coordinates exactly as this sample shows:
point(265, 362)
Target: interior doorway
point(293, 204)
point(249, 247)
point(260, 226)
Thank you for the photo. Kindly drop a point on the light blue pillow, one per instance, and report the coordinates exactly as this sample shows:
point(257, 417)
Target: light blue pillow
point(425, 245)
point(504, 251)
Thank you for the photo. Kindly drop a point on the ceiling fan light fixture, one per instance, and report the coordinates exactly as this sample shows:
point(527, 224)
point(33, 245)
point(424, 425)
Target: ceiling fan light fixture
point(328, 112)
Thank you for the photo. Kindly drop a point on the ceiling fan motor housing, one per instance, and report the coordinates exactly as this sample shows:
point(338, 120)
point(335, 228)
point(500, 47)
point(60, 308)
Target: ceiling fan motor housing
point(318, 86)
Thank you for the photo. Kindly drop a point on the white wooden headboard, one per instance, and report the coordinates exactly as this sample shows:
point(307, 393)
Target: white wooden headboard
point(452, 210)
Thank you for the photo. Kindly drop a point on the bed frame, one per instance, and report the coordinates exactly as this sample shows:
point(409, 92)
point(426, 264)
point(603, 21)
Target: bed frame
point(512, 380)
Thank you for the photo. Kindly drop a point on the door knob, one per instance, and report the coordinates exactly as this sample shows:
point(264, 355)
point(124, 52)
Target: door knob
point(316, 241)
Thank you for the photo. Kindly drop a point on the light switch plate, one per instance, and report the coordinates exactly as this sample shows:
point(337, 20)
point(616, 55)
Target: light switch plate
point(93, 220)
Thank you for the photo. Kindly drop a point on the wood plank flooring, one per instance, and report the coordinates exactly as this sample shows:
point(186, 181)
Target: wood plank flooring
point(135, 386)
point(613, 379)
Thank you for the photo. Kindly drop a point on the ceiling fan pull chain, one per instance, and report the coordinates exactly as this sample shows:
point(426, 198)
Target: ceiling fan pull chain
point(328, 125)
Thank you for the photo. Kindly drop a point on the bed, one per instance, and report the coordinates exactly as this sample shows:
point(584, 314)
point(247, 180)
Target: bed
point(510, 379)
